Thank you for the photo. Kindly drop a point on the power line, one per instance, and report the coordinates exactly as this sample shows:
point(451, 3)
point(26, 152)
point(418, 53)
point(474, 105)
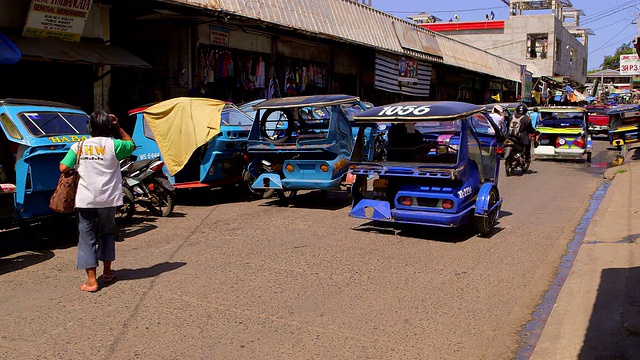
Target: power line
point(613, 12)
point(610, 40)
point(610, 9)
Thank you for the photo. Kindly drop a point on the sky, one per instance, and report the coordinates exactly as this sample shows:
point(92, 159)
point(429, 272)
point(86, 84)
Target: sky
point(612, 21)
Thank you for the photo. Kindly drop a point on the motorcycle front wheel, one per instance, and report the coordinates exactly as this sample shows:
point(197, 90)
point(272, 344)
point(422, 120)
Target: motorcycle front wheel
point(162, 202)
point(125, 212)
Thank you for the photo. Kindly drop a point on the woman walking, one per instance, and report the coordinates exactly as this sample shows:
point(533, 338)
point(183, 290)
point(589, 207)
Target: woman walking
point(99, 193)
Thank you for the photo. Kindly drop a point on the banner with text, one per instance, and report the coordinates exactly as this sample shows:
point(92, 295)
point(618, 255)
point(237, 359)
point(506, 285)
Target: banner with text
point(629, 64)
point(64, 19)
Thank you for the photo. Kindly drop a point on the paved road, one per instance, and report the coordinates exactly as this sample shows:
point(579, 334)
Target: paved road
point(249, 280)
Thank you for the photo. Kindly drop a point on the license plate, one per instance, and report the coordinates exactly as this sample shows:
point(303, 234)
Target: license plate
point(544, 141)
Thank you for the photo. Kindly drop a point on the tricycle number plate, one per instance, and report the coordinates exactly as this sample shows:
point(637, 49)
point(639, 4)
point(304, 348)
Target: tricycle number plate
point(544, 141)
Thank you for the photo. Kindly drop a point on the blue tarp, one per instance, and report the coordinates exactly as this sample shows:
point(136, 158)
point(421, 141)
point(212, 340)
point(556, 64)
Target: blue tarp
point(9, 52)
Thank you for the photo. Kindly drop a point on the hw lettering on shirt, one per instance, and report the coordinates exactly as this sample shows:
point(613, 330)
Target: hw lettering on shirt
point(94, 150)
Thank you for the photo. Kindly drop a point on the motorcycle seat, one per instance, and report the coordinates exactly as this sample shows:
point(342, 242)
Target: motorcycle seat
point(140, 164)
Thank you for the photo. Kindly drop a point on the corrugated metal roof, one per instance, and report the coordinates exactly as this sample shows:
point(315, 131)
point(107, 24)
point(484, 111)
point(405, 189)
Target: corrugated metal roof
point(356, 23)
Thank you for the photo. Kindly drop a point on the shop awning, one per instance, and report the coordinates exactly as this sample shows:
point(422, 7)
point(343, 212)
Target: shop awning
point(9, 52)
point(87, 53)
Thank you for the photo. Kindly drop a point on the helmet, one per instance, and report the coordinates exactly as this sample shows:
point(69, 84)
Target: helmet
point(497, 109)
point(521, 109)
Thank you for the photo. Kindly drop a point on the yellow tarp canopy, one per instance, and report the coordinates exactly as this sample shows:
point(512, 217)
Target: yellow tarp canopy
point(181, 125)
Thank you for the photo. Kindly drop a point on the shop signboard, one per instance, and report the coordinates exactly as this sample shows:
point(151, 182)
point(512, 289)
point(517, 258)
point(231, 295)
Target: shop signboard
point(63, 19)
point(218, 36)
point(629, 64)
point(412, 39)
point(528, 83)
point(407, 70)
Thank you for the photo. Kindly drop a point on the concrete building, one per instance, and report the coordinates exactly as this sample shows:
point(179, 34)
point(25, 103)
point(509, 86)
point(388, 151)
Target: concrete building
point(552, 45)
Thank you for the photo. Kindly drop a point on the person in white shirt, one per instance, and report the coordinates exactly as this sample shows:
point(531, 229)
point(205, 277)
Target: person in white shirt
point(497, 115)
point(99, 193)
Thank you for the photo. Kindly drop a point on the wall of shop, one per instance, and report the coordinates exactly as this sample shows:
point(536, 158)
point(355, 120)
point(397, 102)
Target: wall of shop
point(71, 83)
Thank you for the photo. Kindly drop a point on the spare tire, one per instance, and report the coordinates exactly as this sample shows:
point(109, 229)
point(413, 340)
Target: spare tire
point(276, 126)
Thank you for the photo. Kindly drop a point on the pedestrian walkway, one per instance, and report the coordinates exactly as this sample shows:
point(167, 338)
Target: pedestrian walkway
point(597, 314)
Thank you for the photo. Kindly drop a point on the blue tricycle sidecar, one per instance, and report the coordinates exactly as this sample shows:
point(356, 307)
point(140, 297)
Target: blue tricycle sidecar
point(221, 161)
point(441, 168)
point(35, 136)
point(308, 145)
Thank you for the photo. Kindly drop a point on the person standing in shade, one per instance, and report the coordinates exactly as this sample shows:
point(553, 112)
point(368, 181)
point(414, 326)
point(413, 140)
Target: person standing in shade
point(99, 193)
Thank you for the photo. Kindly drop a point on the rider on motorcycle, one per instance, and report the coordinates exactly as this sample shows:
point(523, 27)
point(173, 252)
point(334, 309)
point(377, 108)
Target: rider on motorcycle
point(520, 129)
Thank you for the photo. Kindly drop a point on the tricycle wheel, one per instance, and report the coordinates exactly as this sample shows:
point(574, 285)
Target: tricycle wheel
point(525, 166)
point(248, 180)
point(485, 224)
point(359, 188)
point(287, 195)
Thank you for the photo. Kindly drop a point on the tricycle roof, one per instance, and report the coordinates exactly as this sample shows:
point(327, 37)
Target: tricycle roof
point(419, 111)
point(303, 101)
point(559, 109)
point(510, 106)
point(623, 108)
point(28, 102)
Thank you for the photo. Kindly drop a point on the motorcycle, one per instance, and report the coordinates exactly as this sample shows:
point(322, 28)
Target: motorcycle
point(145, 184)
point(514, 154)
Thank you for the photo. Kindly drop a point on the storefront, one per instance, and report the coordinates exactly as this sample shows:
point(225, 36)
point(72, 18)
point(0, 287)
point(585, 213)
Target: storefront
point(63, 59)
point(238, 65)
point(402, 78)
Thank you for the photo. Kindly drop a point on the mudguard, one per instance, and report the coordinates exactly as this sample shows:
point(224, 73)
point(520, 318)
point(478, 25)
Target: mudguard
point(381, 210)
point(482, 201)
point(267, 181)
point(165, 183)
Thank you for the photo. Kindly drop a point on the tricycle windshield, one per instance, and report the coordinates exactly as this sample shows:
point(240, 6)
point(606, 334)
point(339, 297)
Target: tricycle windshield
point(231, 115)
point(434, 142)
point(47, 123)
point(562, 120)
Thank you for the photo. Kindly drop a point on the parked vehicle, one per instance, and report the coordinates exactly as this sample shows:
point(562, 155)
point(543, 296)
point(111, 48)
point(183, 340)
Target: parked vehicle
point(145, 184)
point(223, 161)
point(308, 146)
point(598, 119)
point(563, 133)
point(441, 168)
point(624, 124)
point(35, 136)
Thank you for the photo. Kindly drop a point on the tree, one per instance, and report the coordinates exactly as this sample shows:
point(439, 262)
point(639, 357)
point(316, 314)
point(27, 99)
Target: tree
point(613, 61)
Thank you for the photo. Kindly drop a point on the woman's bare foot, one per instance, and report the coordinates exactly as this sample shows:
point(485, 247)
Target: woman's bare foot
point(88, 288)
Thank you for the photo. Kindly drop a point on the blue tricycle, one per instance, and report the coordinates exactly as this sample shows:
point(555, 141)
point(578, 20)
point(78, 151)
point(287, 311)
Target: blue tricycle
point(307, 145)
point(222, 161)
point(35, 137)
point(441, 166)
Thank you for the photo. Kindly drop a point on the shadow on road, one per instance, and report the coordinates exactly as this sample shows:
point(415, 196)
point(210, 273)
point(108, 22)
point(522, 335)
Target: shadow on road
point(423, 232)
point(210, 197)
point(614, 327)
point(23, 260)
point(49, 234)
point(317, 199)
point(148, 272)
